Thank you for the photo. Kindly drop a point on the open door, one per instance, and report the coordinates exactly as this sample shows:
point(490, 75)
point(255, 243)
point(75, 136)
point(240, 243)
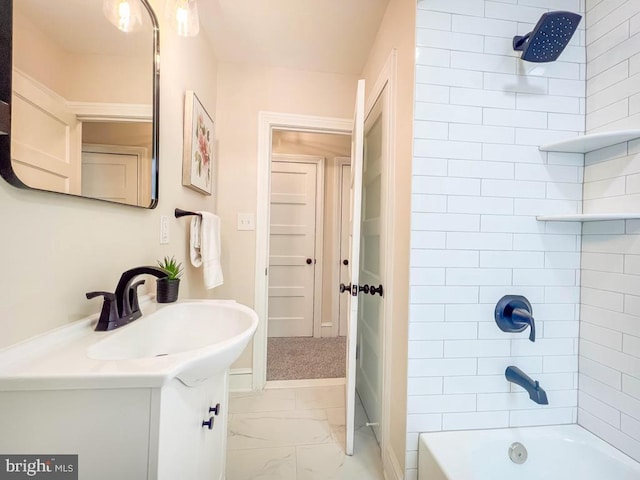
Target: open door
point(357, 149)
point(370, 367)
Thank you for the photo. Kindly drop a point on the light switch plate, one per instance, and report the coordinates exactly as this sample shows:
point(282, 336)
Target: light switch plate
point(164, 230)
point(246, 221)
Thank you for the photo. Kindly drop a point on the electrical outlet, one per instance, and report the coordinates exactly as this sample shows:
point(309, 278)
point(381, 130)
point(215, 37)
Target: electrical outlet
point(164, 230)
point(246, 221)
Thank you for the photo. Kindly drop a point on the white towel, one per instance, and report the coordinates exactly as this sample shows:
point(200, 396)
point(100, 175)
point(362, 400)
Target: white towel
point(205, 247)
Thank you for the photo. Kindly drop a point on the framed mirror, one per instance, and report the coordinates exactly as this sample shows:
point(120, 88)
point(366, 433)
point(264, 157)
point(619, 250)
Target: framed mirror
point(80, 107)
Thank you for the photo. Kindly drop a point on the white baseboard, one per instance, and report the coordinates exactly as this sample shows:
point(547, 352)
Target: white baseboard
point(390, 466)
point(313, 382)
point(240, 380)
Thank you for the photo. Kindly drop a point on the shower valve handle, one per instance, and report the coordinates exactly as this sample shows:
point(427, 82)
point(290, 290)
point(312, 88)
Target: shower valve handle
point(513, 313)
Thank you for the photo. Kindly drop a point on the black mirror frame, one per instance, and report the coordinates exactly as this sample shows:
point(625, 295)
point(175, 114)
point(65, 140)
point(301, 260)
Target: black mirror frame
point(6, 65)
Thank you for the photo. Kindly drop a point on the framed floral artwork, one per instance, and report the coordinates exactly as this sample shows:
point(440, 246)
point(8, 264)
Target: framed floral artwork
point(197, 161)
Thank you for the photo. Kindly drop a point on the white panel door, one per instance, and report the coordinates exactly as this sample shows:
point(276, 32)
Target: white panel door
point(354, 260)
point(110, 176)
point(45, 140)
point(372, 258)
point(292, 245)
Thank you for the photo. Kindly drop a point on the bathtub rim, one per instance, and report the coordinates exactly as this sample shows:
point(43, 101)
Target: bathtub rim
point(573, 432)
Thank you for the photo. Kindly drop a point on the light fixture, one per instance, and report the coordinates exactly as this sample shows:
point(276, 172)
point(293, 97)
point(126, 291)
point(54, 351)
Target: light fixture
point(183, 17)
point(126, 15)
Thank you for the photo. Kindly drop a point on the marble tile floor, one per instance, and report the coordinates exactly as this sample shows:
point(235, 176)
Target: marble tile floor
point(297, 434)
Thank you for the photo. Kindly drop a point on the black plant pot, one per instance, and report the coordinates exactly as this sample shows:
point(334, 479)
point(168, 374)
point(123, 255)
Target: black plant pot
point(167, 290)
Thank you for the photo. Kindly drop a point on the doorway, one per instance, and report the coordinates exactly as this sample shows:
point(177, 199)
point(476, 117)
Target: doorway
point(305, 213)
point(268, 124)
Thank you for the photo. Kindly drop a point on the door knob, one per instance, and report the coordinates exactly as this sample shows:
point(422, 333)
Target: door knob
point(373, 290)
point(309, 261)
point(345, 262)
point(215, 409)
point(363, 288)
point(345, 288)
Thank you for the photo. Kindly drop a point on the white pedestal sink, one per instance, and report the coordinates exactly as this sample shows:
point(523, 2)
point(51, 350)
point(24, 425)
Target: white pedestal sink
point(137, 402)
point(204, 337)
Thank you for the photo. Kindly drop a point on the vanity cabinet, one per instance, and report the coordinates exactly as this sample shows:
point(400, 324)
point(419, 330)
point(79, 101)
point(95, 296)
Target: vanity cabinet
point(126, 433)
point(187, 448)
point(130, 403)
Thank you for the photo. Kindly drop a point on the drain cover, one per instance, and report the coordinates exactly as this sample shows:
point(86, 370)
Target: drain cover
point(517, 453)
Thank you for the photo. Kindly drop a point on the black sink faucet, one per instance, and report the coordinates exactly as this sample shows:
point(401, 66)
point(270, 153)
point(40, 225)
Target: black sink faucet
point(536, 393)
point(122, 307)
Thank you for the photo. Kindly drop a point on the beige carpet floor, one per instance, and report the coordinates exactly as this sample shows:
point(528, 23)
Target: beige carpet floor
point(296, 358)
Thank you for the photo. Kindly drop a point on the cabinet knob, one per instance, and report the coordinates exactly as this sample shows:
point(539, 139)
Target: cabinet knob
point(208, 424)
point(215, 410)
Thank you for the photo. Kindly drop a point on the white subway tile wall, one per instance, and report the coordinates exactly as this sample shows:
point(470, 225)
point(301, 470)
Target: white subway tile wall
point(609, 362)
point(479, 180)
point(613, 54)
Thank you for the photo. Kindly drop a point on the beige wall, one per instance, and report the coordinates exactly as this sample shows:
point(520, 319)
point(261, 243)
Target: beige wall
point(56, 248)
point(35, 55)
point(397, 31)
point(81, 77)
point(243, 91)
point(110, 78)
point(135, 134)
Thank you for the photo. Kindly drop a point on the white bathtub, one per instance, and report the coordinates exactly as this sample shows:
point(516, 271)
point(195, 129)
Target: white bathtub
point(554, 453)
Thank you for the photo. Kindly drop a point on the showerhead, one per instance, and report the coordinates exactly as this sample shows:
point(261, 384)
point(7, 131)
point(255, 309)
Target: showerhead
point(549, 37)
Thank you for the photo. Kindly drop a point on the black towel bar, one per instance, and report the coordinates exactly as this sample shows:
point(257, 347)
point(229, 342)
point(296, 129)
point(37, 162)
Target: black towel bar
point(184, 213)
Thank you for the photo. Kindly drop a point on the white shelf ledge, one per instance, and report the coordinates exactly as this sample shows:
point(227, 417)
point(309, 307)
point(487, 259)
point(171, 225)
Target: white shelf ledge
point(588, 217)
point(593, 141)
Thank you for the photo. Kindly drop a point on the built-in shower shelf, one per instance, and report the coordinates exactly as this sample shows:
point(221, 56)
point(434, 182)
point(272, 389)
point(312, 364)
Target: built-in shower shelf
point(593, 141)
point(588, 217)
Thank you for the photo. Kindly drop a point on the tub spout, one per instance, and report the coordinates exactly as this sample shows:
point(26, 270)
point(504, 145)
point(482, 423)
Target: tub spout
point(533, 388)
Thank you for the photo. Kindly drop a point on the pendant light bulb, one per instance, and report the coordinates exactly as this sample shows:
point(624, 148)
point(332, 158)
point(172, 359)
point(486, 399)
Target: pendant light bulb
point(126, 15)
point(183, 17)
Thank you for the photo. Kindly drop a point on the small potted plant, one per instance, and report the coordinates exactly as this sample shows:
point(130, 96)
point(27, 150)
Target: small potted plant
point(167, 287)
